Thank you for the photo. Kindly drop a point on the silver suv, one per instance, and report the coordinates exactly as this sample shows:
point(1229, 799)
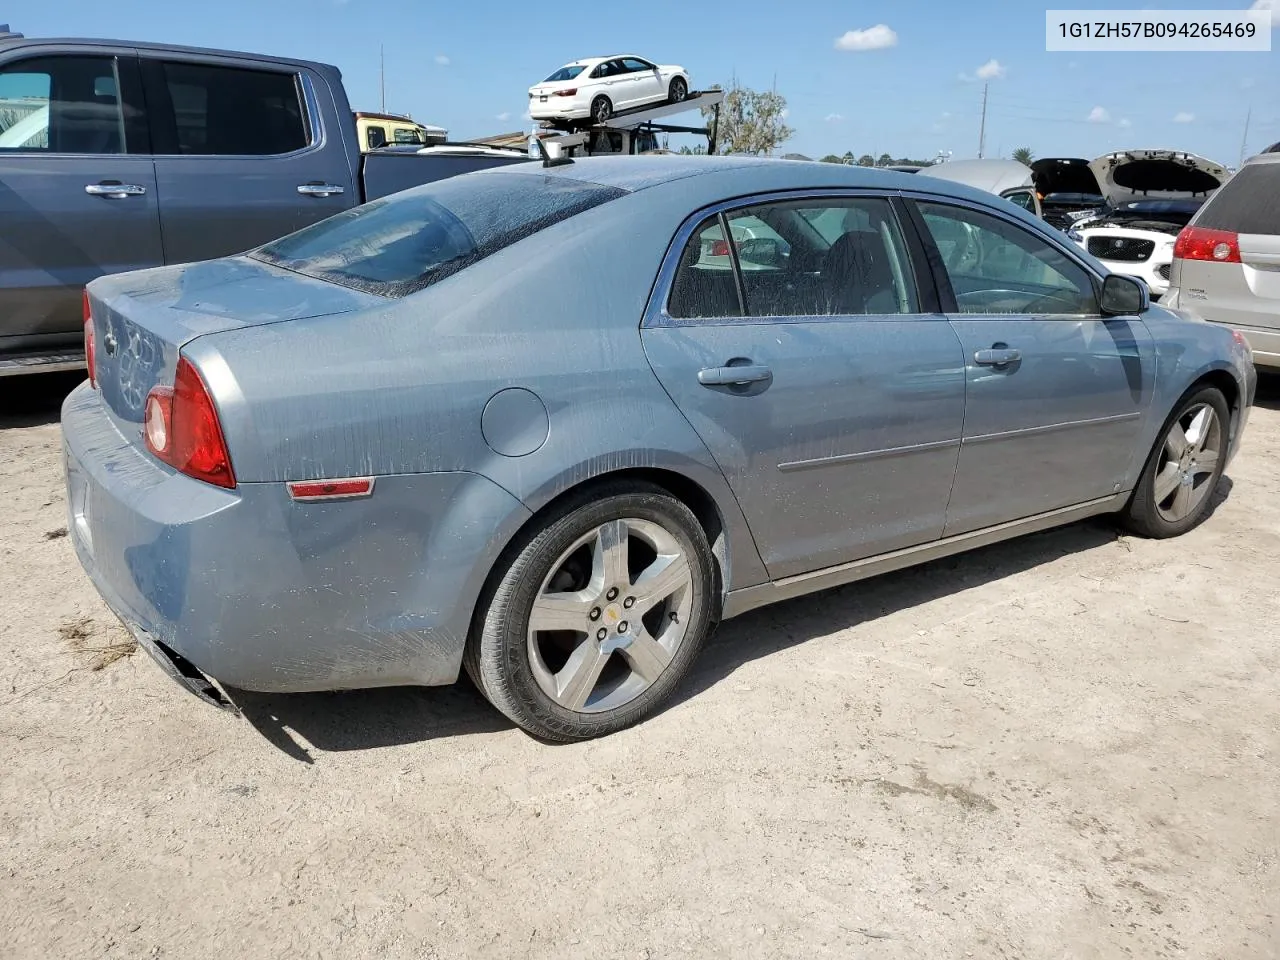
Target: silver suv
point(1226, 263)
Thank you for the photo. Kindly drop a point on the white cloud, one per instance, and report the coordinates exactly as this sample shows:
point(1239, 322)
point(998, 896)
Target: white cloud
point(1183, 117)
point(1268, 5)
point(946, 115)
point(443, 60)
point(834, 118)
point(1125, 123)
point(503, 116)
point(1099, 115)
point(991, 70)
point(872, 38)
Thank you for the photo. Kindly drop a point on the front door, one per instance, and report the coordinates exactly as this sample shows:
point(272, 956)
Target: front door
point(794, 340)
point(77, 190)
point(239, 160)
point(1057, 393)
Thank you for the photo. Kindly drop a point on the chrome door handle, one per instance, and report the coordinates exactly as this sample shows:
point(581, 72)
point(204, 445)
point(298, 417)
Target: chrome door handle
point(319, 189)
point(997, 356)
point(731, 376)
point(114, 189)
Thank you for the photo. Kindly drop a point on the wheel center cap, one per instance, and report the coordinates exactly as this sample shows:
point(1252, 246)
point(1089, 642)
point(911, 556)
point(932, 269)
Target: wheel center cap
point(612, 614)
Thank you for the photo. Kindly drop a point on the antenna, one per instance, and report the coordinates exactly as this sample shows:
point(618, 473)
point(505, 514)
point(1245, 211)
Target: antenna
point(550, 161)
point(382, 74)
point(982, 131)
point(1244, 141)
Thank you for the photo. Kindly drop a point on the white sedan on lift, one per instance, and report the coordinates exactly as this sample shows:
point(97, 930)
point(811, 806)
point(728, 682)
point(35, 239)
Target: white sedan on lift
point(596, 88)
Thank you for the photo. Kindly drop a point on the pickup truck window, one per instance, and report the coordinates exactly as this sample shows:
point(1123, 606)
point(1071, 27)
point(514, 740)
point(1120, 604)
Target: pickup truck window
point(61, 105)
point(410, 240)
point(232, 111)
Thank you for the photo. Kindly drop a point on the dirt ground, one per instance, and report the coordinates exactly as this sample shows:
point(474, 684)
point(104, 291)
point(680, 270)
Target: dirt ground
point(1060, 747)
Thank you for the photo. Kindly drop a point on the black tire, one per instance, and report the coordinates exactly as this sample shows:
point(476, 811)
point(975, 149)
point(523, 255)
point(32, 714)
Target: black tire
point(497, 655)
point(677, 91)
point(601, 110)
point(1142, 514)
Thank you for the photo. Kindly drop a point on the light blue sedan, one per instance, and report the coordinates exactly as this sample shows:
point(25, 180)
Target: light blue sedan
point(540, 422)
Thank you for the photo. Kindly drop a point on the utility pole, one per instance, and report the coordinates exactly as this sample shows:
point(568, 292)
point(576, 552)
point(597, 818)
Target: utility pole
point(1244, 141)
point(382, 74)
point(982, 131)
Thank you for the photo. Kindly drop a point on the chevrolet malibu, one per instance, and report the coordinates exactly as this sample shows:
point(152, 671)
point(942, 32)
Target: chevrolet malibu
point(538, 423)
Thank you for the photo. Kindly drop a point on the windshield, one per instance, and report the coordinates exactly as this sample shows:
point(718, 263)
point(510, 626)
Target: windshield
point(564, 73)
point(410, 240)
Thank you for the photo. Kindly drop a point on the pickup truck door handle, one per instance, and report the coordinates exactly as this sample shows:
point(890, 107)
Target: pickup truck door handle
point(318, 189)
point(732, 376)
point(114, 189)
point(998, 356)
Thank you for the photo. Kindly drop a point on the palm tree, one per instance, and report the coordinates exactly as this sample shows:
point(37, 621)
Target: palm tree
point(1024, 155)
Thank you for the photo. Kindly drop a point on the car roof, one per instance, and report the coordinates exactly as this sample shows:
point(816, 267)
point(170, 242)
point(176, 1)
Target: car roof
point(721, 177)
point(36, 42)
point(1263, 158)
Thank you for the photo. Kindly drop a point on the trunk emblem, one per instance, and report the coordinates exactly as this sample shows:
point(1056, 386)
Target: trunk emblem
point(110, 342)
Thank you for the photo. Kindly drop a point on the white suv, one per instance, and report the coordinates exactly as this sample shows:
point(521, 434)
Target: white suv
point(1226, 262)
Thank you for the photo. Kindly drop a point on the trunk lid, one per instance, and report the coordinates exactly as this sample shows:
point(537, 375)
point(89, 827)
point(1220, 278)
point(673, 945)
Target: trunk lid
point(1155, 175)
point(141, 320)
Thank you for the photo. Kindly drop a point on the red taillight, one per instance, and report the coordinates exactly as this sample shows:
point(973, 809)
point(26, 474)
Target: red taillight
point(1201, 243)
point(182, 429)
point(331, 489)
point(719, 248)
point(566, 93)
point(89, 352)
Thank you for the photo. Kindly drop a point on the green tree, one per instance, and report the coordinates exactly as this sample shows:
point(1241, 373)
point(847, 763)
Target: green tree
point(1024, 155)
point(884, 160)
point(849, 157)
point(751, 121)
point(832, 158)
point(866, 160)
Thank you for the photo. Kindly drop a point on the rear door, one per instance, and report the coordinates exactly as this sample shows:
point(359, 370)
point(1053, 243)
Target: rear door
point(809, 360)
point(242, 153)
point(1244, 294)
point(77, 188)
point(1056, 391)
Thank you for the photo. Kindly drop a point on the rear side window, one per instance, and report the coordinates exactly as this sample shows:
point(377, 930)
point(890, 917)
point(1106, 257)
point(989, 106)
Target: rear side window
point(61, 105)
point(230, 111)
point(1247, 203)
point(410, 240)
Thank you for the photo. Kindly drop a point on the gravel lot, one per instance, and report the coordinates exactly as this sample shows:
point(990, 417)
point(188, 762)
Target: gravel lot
point(1060, 747)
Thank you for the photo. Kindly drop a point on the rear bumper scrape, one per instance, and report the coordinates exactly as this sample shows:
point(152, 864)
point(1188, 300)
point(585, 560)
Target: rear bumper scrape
point(181, 670)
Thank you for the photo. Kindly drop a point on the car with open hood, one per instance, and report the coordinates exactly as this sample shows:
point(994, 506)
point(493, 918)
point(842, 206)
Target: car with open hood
point(1150, 195)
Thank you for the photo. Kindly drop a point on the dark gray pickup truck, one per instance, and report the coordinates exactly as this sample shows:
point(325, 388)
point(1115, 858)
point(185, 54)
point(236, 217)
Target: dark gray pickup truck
point(117, 156)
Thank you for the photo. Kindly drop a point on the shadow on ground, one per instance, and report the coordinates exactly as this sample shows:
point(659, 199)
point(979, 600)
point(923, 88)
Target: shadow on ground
point(1268, 392)
point(35, 399)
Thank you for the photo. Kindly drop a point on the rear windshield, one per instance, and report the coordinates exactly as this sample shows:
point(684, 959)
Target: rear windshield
point(410, 240)
point(564, 73)
point(1247, 203)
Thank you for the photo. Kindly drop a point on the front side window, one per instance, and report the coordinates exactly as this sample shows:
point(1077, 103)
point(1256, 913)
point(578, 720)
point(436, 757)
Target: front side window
point(633, 65)
point(997, 267)
point(231, 111)
point(62, 105)
point(410, 240)
point(803, 258)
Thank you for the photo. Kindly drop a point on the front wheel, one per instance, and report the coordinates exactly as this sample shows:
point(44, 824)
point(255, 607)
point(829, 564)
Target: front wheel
point(678, 90)
point(596, 618)
point(1175, 491)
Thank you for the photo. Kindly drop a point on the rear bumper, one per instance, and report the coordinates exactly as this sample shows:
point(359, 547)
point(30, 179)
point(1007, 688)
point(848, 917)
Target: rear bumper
point(262, 593)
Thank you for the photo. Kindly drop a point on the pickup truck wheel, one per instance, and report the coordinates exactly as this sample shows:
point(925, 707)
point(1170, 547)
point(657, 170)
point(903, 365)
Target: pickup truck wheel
point(678, 90)
point(593, 618)
point(601, 109)
point(1175, 491)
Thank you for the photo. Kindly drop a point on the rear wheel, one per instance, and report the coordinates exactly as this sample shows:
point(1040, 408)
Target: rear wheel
point(678, 90)
point(1175, 491)
point(601, 109)
point(595, 619)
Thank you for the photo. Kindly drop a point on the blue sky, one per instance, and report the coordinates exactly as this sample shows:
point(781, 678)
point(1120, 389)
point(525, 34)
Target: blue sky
point(466, 66)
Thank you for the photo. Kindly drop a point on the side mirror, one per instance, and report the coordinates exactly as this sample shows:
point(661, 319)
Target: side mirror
point(1124, 296)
